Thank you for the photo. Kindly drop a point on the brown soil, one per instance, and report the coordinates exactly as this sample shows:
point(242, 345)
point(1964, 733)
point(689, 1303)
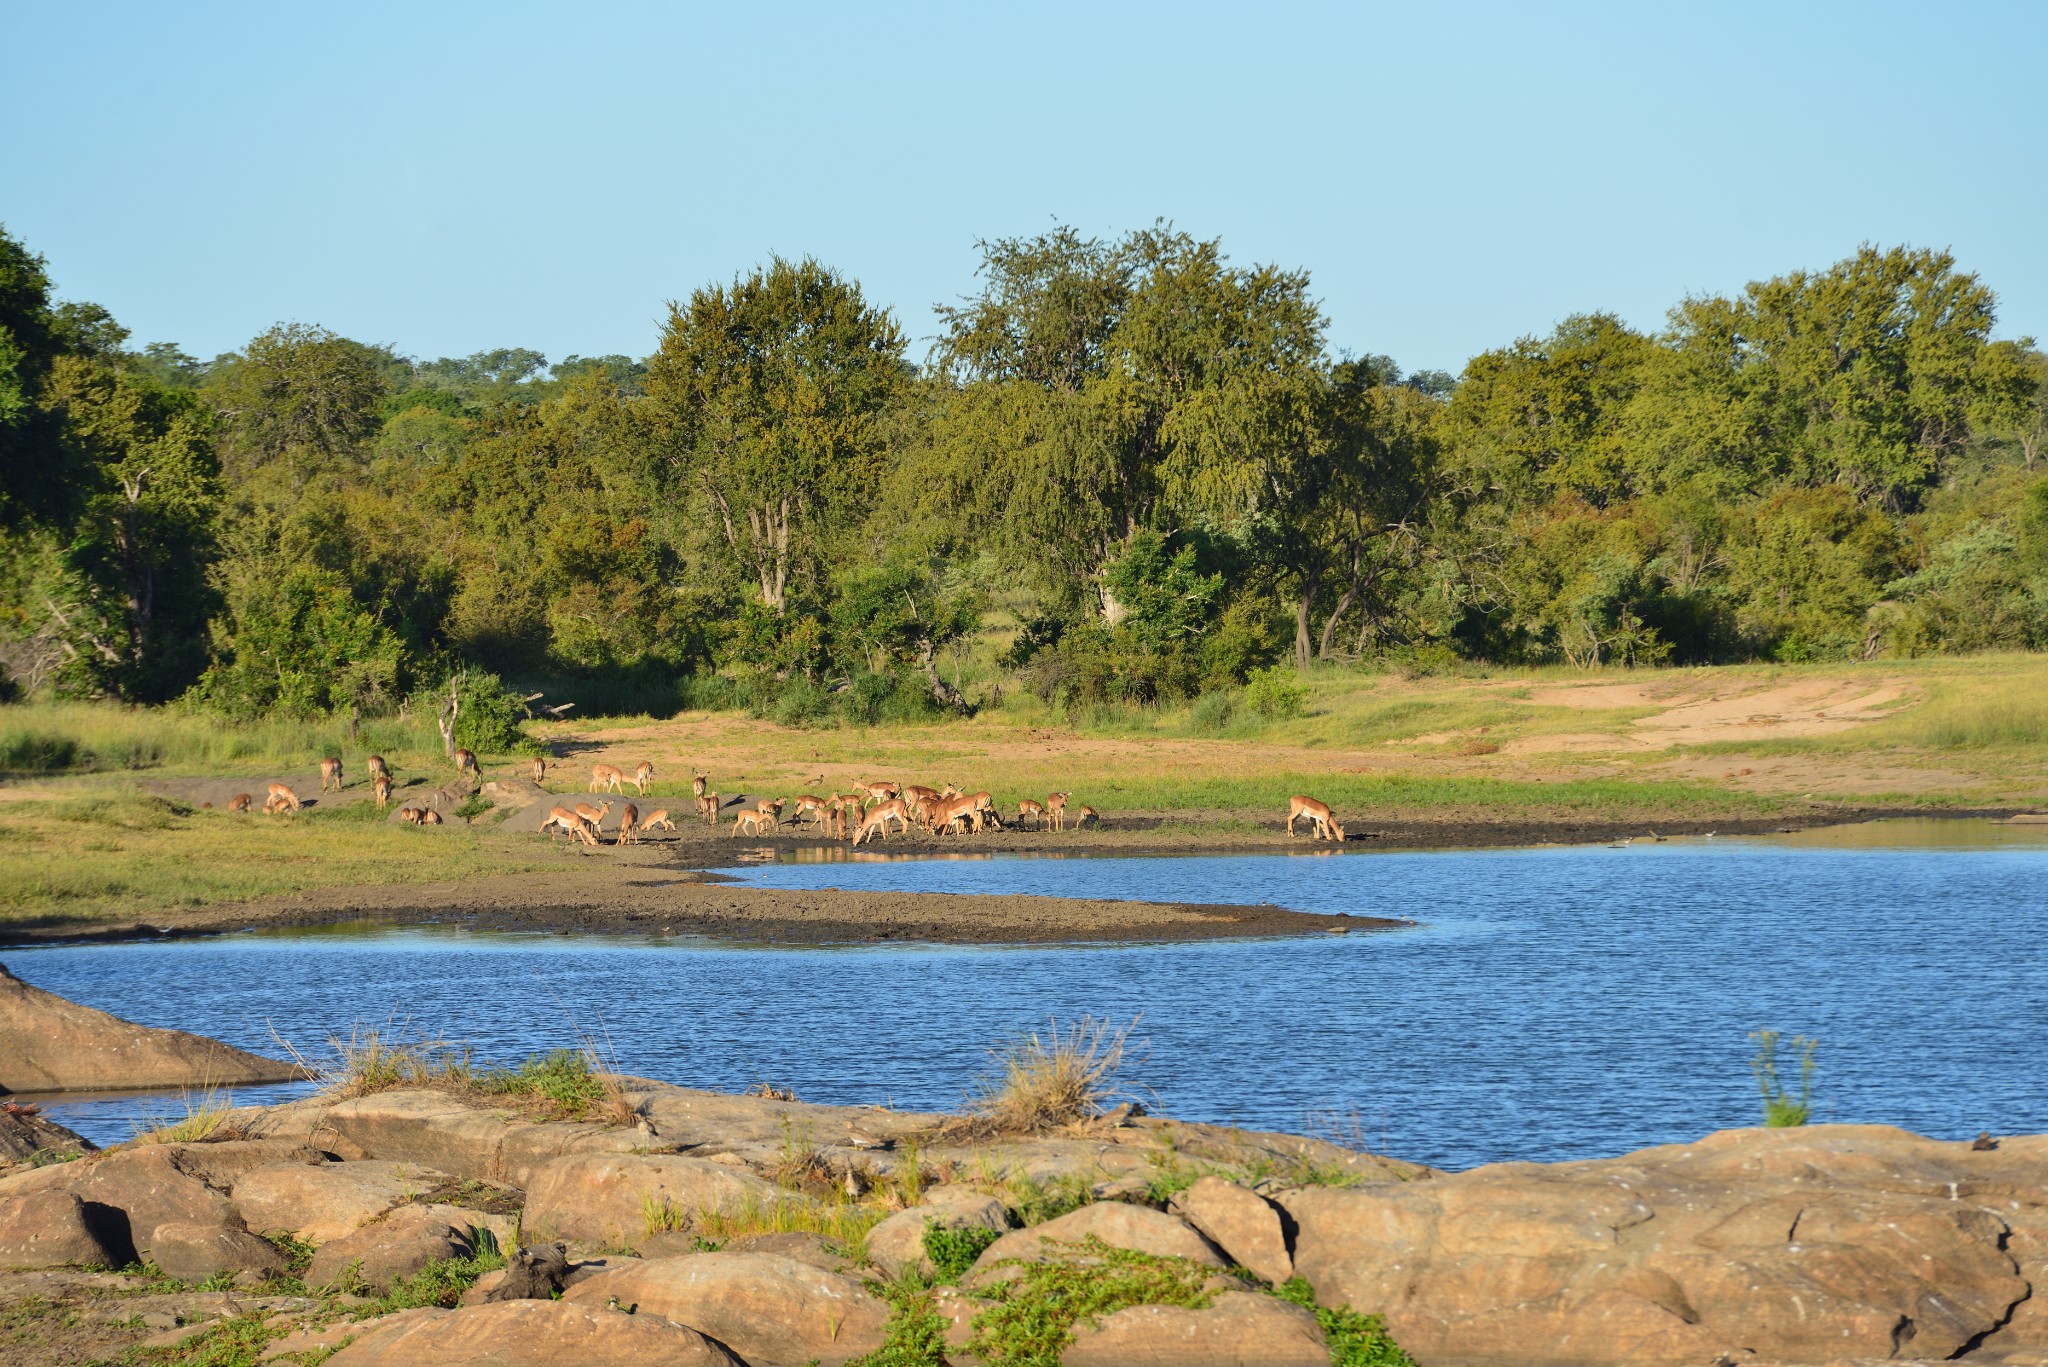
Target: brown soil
point(636, 898)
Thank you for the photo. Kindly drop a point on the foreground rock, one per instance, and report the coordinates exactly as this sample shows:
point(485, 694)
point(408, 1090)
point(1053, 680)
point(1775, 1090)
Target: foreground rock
point(769, 1310)
point(1830, 1245)
point(48, 1044)
point(1790, 1245)
point(1239, 1330)
point(531, 1334)
point(26, 1133)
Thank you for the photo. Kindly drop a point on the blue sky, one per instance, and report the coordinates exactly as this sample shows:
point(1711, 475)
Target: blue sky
point(447, 178)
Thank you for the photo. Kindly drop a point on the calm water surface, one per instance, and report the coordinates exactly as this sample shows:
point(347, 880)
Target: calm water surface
point(1553, 1003)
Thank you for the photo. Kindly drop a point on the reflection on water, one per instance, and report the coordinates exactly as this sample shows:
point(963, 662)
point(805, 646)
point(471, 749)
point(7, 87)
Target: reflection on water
point(1561, 1002)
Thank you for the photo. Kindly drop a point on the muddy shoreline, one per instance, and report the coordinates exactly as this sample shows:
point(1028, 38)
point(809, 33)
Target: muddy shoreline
point(669, 886)
point(661, 902)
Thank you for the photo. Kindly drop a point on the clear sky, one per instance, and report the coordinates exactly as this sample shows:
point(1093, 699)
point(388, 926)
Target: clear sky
point(447, 178)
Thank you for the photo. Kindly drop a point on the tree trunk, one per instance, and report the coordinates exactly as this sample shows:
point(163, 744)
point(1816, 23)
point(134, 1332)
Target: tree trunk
point(1303, 645)
point(450, 710)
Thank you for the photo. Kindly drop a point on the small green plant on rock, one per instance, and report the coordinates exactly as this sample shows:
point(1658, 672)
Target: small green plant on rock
point(1029, 1321)
point(1354, 1340)
point(953, 1251)
point(1781, 1110)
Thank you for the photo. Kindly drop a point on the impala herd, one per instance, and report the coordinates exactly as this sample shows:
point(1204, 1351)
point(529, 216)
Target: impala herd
point(866, 812)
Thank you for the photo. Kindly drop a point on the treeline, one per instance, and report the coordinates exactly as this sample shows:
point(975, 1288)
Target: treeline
point(1125, 470)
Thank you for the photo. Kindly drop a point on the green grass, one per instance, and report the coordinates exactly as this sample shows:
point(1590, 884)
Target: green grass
point(1354, 1340)
point(1029, 1321)
point(107, 853)
point(1362, 796)
point(84, 737)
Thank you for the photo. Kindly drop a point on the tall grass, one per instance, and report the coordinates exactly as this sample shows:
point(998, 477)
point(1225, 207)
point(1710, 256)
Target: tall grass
point(81, 737)
point(1041, 1082)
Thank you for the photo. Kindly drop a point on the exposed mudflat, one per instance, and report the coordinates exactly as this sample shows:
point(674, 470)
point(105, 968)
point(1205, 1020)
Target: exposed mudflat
point(644, 898)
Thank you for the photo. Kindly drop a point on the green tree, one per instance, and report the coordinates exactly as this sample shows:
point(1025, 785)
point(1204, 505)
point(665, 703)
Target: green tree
point(766, 401)
point(297, 397)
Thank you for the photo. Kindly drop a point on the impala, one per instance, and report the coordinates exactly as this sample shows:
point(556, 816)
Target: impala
point(657, 820)
point(330, 772)
point(1034, 809)
point(540, 770)
point(282, 799)
point(1056, 808)
point(879, 816)
point(605, 778)
point(381, 785)
point(378, 768)
point(629, 825)
point(465, 763)
point(642, 776)
point(1322, 825)
point(239, 802)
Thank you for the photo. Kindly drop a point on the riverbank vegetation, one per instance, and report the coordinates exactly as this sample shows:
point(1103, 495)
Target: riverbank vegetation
point(1127, 473)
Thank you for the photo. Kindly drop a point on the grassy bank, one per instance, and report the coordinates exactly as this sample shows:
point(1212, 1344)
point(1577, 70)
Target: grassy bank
point(101, 851)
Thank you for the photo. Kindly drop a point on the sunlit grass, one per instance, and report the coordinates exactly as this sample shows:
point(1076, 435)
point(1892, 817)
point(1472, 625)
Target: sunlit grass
point(84, 737)
point(108, 852)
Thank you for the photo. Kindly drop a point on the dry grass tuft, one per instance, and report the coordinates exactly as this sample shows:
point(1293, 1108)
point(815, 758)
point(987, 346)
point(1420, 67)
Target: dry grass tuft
point(844, 1223)
point(1044, 1082)
point(208, 1118)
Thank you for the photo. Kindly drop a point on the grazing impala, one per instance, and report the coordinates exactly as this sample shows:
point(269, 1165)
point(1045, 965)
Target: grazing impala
point(1056, 808)
point(1035, 810)
point(879, 816)
point(986, 807)
point(1322, 825)
point(561, 818)
point(282, 799)
point(629, 825)
point(381, 785)
point(378, 768)
point(605, 779)
point(657, 820)
point(1088, 817)
point(239, 802)
point(594, 815)
point(642, 776)
point(845, 808)
point(330, 772)
point(540, 770)
point(465, 763)
point(430, 817)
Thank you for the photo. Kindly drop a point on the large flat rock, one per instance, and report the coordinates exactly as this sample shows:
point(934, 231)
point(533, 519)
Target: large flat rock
point(1802, 1246)
point(49, 1044)
point(772, 1311)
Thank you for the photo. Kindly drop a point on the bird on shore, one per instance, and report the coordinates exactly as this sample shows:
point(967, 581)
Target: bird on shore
point(1983, 1143)
point(861, 1139)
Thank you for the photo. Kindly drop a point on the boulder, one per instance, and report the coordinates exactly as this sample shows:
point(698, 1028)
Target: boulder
point(397, 1246)
point(48, 1044)
point(131, 1192)
point(607, 1198)
point(896, 1245)
point(221, 1163)
point(25, 1132)
point(194, 1252)
point(55, 1229)
point(447, 1133)
point(328, 1201)
point(769, 1310)
point(1116, 1224)
point(1242, 1329)
point(1244, 1224)
point(1794, 1245)
point(530, 1333)
point(810, 1249)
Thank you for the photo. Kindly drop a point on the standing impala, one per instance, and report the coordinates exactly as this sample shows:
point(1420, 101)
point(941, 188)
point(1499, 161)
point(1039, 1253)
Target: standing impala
point(1056, 807)
point(540, 770)
point(604, 778)
point(465, 763)
point(378, 768)
point(643, 776)
point(330, 772)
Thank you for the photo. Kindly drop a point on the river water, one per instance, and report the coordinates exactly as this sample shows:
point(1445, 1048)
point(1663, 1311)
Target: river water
point(1550, 1003)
